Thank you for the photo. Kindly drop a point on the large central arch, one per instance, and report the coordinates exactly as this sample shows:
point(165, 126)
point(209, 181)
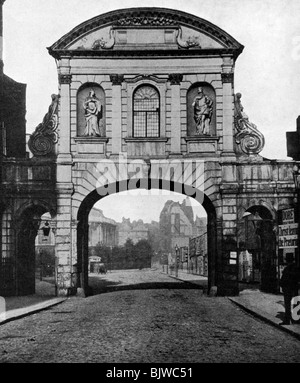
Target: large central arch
point(98, 194)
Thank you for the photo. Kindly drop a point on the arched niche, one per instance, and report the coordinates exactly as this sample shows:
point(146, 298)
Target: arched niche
point(209, 91)
point(82, 94)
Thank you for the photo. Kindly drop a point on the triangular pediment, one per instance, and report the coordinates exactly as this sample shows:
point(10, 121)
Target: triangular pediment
point(145, 29)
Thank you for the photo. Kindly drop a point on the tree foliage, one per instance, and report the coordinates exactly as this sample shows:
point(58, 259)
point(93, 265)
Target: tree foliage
point(129, 256)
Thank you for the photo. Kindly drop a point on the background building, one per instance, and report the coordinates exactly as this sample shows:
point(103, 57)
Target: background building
point(198, 254)
point(135, 231)
point(102, 230)
point(177, 227)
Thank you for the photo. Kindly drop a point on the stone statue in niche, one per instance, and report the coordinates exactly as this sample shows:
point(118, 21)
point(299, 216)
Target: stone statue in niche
point(93, 115)
point(203, 109)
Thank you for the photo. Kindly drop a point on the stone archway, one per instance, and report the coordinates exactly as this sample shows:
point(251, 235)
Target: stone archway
point(96, 195)
point(260, 242)
point(26, 229)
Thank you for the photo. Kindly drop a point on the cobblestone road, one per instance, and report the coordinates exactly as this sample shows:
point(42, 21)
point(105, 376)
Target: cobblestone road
point(165, 324)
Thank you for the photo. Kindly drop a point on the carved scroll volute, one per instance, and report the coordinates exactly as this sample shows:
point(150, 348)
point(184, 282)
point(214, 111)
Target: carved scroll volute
point(248, 138)
point(103, 44)
point(42, 141)
point(190, 42)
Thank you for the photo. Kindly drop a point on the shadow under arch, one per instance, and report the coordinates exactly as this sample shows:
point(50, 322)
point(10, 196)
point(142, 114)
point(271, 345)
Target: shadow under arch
point(263, 219)
point(26, 226)
point(148, 184)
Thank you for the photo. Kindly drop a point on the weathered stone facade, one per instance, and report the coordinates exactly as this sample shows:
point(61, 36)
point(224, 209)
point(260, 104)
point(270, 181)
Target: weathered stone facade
point(136, 231)
point(157, 58)
point(177, 226)
point(102, 230)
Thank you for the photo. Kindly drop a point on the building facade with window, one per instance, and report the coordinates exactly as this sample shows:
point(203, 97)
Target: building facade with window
point(198, 254)
point(102, 230)
point(144, 69)
point(144, 84)
point(177, 226)
point(136, 231)
point(140, 86)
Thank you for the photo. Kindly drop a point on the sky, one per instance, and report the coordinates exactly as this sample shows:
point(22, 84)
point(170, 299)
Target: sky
point(136, 204)
point(266, 73)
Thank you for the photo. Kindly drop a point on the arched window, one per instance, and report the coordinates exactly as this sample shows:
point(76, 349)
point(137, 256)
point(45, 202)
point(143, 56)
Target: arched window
point(146, 112)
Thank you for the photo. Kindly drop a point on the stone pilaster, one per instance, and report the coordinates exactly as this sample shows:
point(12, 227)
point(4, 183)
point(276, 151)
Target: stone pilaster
point(64, 159)
point(227, 118)
point(65, 80)
point(64, 186)
point(64, 241)
point(175, 80)
point(116, 141)
point(228, 106)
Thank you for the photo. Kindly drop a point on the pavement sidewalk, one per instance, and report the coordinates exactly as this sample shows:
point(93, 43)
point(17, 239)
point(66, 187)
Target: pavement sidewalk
point(188, 277)
point(10, 315)
point(268, 307)
point(12, 308)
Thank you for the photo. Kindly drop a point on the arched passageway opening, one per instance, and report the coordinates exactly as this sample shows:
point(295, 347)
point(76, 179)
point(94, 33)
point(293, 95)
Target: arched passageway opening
point(100, 195)
point(34, 253)
point(257, 257)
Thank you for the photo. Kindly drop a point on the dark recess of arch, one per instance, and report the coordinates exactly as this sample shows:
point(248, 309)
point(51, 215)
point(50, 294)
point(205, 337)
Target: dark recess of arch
point(117, 187)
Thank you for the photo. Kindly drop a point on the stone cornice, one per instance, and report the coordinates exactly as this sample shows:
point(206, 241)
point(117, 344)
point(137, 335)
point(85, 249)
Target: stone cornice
point(141, 53)
point(90, 140)
point(203, 138)
point(146, 139)
point(148, 18)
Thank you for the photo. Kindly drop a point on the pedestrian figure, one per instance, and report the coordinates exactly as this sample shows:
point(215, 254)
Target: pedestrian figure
point(289, 283)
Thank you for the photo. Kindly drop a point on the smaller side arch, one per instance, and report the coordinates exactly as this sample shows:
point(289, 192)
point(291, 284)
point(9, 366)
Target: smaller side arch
point(41, 207)
point(258, 246)
point(26, 224)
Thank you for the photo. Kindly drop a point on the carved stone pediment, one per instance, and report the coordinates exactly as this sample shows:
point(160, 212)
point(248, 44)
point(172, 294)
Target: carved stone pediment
point(144, 29)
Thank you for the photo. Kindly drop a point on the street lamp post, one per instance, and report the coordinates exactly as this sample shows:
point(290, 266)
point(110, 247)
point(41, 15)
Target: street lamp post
point(110, 258)
point(176, 260)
